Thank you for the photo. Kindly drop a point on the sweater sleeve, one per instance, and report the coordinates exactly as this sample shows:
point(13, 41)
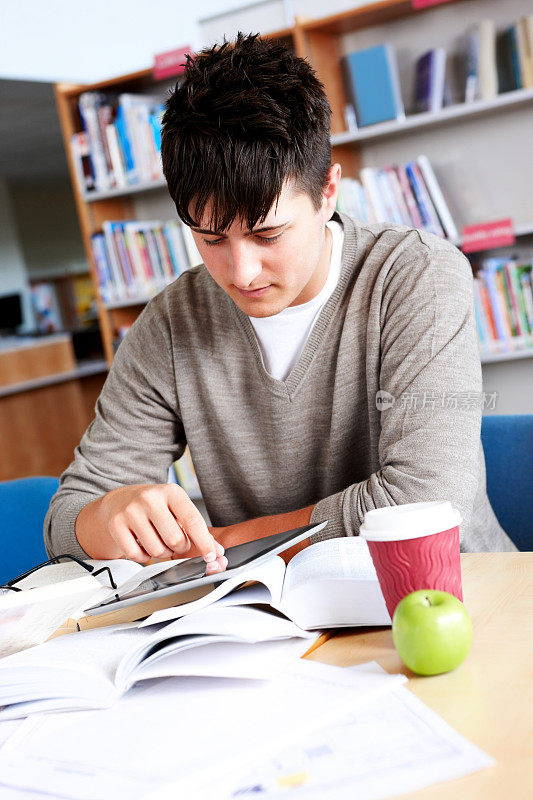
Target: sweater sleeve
point(135, 435)
point(430, 389)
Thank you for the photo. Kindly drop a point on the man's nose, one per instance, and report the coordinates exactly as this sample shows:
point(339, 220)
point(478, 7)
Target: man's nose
point(244, 264)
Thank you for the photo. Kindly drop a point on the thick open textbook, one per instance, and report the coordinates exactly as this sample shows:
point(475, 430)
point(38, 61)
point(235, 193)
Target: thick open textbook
point(330, 584)
point(92, 669)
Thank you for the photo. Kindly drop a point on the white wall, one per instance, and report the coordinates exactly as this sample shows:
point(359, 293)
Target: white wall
point(59, 40)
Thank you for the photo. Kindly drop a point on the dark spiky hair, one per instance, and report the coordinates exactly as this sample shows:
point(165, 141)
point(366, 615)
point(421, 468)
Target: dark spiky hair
point(247, 116)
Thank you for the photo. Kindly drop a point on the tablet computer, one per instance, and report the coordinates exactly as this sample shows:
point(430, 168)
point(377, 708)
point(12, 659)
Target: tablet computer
point(191, 572)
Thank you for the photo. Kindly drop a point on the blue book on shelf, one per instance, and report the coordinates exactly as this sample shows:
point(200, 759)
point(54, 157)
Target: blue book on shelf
point(125, 146)
point(419, 197)
point(373, 84)
point(155, 124)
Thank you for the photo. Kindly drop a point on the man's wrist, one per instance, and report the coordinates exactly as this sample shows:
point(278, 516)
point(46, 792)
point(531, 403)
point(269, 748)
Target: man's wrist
point(257, 528)
point(90, 531)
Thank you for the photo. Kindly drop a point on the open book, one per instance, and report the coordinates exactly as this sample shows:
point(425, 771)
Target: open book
point(92, 669)
point(331, 584)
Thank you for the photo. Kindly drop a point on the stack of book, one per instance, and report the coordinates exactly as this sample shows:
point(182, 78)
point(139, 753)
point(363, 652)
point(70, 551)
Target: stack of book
point(405, 195)
point(120, 145)
point(134, 260)
point(498, 61)
point(503, 295)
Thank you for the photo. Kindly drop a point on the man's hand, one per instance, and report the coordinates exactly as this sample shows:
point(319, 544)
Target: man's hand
point(147, 521)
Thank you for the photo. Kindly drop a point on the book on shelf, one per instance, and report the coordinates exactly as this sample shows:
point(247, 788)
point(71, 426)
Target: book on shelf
point(430, 80)
point(330, 584)
point(503, 300)
point(405, 194)
point(373, 84)
point(83, 166)
point(498, 61)
point(524, 43)
point(46, 307)
point(429, 216)
point(185, 475)
point(136, 259)
point(437, 198)
point(82, 297)
point(121, 141)
point(481, 77)
point(507, 65)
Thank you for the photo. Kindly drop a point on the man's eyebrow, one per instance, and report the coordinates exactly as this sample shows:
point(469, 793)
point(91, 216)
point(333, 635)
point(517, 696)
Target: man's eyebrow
point(250, 233)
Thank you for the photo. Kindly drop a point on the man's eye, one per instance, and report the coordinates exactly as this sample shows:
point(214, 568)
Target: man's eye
point(269, 239)
point(263, 239)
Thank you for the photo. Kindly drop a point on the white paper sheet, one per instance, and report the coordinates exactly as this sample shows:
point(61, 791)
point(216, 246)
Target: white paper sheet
point(395, 746)
point(8, 729)
point(191, 730)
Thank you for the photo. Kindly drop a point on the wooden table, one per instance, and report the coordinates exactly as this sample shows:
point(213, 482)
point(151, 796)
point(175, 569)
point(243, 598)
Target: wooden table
point(489, 698)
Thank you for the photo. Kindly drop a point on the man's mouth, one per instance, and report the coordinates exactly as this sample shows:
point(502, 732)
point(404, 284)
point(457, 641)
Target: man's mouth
point(253, 292)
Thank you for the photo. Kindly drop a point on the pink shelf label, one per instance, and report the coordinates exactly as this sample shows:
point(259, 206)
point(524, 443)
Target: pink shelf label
point(167, 65)
point(417, 4)
point(488, 235)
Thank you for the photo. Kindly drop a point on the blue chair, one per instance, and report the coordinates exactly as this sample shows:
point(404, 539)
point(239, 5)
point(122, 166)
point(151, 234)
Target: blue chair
point(508, 446)
point(23, 505)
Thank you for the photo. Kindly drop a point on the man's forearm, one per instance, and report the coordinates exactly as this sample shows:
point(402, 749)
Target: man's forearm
point(91, 532)
point(253, 529)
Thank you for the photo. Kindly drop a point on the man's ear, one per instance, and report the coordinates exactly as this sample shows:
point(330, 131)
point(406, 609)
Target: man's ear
point(331, 190)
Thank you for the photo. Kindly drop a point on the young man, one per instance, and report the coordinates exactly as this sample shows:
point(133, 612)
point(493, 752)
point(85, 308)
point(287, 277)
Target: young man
point(317, 366)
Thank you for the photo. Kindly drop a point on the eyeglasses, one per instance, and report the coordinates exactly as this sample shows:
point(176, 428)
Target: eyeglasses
point(9, 586)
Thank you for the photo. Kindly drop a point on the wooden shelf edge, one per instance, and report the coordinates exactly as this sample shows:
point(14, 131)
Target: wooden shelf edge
point(94, 197)
point(433, 119)
point(82, 371)
point(366, 16)
point(511, 355)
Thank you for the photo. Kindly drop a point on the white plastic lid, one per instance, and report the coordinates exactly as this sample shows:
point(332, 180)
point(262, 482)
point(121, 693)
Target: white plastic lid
point(409, 521)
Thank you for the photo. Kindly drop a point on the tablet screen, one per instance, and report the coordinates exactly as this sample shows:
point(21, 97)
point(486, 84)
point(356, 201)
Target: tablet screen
point(238, 556)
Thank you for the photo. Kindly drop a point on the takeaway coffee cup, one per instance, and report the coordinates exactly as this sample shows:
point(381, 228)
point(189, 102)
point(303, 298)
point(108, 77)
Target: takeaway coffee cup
point(414, 546)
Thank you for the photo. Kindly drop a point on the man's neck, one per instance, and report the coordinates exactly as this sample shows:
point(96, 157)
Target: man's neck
point(319, 277)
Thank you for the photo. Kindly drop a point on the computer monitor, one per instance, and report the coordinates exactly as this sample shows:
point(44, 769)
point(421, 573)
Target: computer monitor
point(10, 312)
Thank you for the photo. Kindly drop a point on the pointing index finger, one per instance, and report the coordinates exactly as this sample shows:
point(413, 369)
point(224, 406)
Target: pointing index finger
point(195, 527)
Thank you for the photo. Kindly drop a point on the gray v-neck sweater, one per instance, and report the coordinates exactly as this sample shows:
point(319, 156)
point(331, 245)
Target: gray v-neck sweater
point(400, 323)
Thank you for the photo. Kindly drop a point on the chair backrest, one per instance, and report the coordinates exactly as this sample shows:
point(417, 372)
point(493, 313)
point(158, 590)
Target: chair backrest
point(508, 446)
point(23, 506)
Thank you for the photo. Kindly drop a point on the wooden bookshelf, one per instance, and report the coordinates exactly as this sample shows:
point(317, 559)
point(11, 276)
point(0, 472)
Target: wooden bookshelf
point(92, 215)
point(322, 41)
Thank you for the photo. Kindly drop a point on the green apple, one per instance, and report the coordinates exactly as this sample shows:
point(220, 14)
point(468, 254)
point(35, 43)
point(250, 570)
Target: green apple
point(432, 631)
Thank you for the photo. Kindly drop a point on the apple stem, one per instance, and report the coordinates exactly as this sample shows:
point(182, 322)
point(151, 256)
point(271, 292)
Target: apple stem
point(428, 600)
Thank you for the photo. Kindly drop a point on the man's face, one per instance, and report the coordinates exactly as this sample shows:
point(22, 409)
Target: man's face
point(283, 261)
